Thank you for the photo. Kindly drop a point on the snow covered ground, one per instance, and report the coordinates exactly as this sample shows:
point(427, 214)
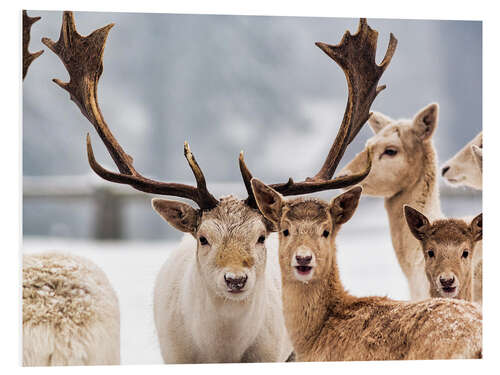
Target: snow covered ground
point(366, 259)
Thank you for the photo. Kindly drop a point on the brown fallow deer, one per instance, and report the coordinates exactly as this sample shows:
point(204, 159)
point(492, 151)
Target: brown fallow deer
point(466, 169)
point(326, 323)
point(217, 298)
point(28, 57)
point(448, 247)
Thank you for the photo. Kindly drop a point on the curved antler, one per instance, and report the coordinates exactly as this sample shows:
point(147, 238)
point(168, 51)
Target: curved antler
point(27, 56)
point(82, 57)
point(355, 54)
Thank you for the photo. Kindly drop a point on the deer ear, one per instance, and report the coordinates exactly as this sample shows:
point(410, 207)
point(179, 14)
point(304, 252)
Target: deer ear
point(477, 154)
point(476, 227)
point(425, 121)
point(417, 222)
point(269, 201)
point(343, 207)
point(179, 215)
point(378, 121)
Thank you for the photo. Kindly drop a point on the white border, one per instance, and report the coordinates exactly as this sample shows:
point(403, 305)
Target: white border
point(422, 9)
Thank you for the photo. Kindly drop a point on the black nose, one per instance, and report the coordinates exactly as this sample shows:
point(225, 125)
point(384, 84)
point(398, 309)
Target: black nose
point(444, 170)
point(236, 283)
point(447, 282)
point(303, 261)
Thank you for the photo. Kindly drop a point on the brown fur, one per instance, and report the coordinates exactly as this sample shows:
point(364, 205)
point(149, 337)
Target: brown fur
point(325, 323)
point(447, 239)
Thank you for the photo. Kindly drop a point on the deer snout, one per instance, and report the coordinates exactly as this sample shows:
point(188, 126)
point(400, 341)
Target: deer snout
point(447, 281)
point(235, 283)
point(445, 169)
point(303, 260)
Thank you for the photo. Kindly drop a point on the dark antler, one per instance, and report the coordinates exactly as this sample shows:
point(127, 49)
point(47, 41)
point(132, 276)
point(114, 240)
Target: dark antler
point(356, 56)
point(27, 56)
point(82, 57)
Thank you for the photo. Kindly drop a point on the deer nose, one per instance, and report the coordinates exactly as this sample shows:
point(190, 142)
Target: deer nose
point(235, 283)
point(303, 261)
point(447, 282)
point(444, 170)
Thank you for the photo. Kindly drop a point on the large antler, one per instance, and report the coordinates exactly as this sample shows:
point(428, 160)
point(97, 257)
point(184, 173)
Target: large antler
point(27, 56)
point(82, 57)
point(356, 56)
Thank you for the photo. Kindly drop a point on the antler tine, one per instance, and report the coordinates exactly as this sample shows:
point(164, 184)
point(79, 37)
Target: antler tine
point(247, 178)
point(355, 54)
point(27, 56)
point(82, 57)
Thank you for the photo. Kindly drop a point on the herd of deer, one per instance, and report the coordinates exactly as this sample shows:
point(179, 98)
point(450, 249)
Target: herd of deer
point(235, 292)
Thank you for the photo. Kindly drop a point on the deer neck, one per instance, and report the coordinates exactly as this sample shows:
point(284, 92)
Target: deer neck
point(422, 195)
point(307, 306)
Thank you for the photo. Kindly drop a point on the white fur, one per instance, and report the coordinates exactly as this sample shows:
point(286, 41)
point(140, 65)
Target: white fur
point(195, 324)
point(71, 314)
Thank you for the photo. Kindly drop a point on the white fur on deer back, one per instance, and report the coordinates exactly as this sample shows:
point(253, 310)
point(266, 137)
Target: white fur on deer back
point(71, 314)
point(195, 325)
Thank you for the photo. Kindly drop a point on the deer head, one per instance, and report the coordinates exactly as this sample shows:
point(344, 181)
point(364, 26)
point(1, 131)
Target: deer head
point(466, 167)
point(307, 229)
point(230, 233)
point(447, 246)
point(397, 152)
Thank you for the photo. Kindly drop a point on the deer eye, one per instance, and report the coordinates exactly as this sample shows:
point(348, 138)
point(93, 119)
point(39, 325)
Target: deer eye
point(390, 151)
point(286, 232)
point(465, 254)
point(261, 239)
point(326, 234)
point(203, 241)
point(430, 253)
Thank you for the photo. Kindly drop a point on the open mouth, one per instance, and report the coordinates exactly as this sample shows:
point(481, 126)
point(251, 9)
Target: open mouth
point(449, 289)
point(303, 270)
point(235, 291)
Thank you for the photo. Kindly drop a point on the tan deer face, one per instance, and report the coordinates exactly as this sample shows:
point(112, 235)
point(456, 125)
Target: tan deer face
point(307, 229)
point(448, 246)
point(231, 238)
point(396, 150)
point(466, 167)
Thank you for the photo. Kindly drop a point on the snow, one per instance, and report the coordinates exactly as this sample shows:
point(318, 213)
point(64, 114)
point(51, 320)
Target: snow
point(367, 263)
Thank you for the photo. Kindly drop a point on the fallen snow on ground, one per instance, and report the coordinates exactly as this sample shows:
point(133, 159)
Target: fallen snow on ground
point(132, 268)
point(367, 263)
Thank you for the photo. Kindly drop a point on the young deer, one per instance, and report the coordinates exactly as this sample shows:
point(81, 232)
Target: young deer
point(325, 323)
point(448, 248)
point(466, 167)
point(217, 298)
point(403, 172)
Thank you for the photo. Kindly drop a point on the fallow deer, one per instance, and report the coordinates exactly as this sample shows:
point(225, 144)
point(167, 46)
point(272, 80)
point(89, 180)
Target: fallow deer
point(448, 247)
point(466, 167)
point(217, 298)
point(403, 172)
point(325, 323)
point(71, 314)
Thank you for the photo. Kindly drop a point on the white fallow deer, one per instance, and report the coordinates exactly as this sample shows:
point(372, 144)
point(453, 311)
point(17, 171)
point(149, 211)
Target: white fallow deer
point(466, 169)
point(403, 172)
point(325, 323)
point(71, 314)
point(217, 297)
point(448, 247)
